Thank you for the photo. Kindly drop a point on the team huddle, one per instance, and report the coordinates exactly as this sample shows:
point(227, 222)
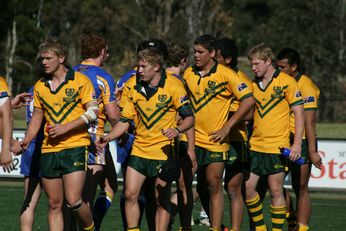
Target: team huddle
point(171, 123)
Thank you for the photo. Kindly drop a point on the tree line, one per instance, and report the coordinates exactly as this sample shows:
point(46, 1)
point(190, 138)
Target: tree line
point(315, 28)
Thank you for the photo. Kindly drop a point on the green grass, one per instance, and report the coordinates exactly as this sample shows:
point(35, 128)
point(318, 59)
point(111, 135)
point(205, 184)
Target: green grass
point(328, 210)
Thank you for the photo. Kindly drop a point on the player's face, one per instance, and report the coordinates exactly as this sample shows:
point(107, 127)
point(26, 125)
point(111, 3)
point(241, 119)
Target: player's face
point(259, 66)
point(202, 56)
point(220, 59)
point(286, 67)
point(50, 61)
point(146, 70)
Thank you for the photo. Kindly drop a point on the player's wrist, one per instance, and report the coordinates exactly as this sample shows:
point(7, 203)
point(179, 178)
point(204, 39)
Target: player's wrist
point(177, 130)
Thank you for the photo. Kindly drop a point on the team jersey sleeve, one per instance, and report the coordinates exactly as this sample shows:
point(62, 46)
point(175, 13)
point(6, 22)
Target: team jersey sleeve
point(310, 94)
point(107, 86)
point(240, 89)
point(292, 93)
point(37, 101)
point(129, 111)
point(4, 89)
point(125, 93)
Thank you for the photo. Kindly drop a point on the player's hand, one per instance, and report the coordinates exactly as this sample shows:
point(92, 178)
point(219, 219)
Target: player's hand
point(25, 144)
point(16, 147)
point(101, 143)
point(20, 100)
point(316, 159)
point(170, 133)
point(56, 130)
point(6, 161)
point(219, 135)
point(295, 152)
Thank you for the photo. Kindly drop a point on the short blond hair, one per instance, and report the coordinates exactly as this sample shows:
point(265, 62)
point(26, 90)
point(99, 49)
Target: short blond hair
point(53, 44)
point(261, 52)
point(151, 55)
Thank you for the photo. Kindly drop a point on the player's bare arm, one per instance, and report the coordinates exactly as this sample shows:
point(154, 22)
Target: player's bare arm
point(33, 127)
point(112, 112)
point(310, 130)
point(6, 135)
point(299, 130)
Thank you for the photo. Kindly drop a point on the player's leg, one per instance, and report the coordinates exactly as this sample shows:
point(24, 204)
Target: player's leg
point(300, 181)
point(214, 176)
point(133, 184)
point(184, 190)
point(201, 188)
point(164, 206)
point(73, 186)
point(233, 181)
point(93, 177)
point(32, 190)
point(278, 205)
point(147, 202)
point(234, 191)
point(253, 202)
point(290, 213)
point(109, 186)
point(74, 176)
point(53, 187)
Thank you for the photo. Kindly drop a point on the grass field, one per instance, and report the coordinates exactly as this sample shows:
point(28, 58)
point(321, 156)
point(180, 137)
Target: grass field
point(328, 211)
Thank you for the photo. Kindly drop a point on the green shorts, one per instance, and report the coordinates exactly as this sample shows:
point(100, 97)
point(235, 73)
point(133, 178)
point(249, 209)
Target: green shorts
point(56, 164)
point(238, 160)
point(205, 157)
point(266, 164)
point(146, 167)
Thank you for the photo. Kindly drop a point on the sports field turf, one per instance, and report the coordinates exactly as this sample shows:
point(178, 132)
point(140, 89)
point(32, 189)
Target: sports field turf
point(328, 211)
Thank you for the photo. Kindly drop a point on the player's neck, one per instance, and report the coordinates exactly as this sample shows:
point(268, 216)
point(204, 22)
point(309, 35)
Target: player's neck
point(269, 73)
point(58, 77)
point(155, 80)
point(96, 61)
point(206, 68)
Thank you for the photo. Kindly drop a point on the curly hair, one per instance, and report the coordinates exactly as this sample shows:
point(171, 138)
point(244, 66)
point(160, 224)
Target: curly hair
point(92, 45)
point(176, 52)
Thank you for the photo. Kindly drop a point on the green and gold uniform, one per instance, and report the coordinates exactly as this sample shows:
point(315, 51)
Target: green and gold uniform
point(271, 129)
point(310, 94)
point(271, 118)
point(153, 112)
point(65, 104)
point(210, 98)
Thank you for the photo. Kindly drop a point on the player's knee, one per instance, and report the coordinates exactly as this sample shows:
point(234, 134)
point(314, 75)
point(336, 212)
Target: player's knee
point(130, 196)
point(75, 206)
point(276, 192)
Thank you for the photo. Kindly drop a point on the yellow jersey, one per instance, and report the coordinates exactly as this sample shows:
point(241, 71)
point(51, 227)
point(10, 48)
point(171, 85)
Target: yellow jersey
point(272, 111)
point(152, 114)
point(4, 89)
point(210, 99)
point(310, 94)
point(65, 104)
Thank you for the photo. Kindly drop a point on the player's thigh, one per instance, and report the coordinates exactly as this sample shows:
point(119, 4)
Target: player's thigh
point(53, 188)
point(276, 182)
point(214, 172)
point(73, 185)
point(134, 182)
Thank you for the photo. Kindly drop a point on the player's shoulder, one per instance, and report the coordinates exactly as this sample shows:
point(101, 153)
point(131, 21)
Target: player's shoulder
point(125, 77)
point(285, 78)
